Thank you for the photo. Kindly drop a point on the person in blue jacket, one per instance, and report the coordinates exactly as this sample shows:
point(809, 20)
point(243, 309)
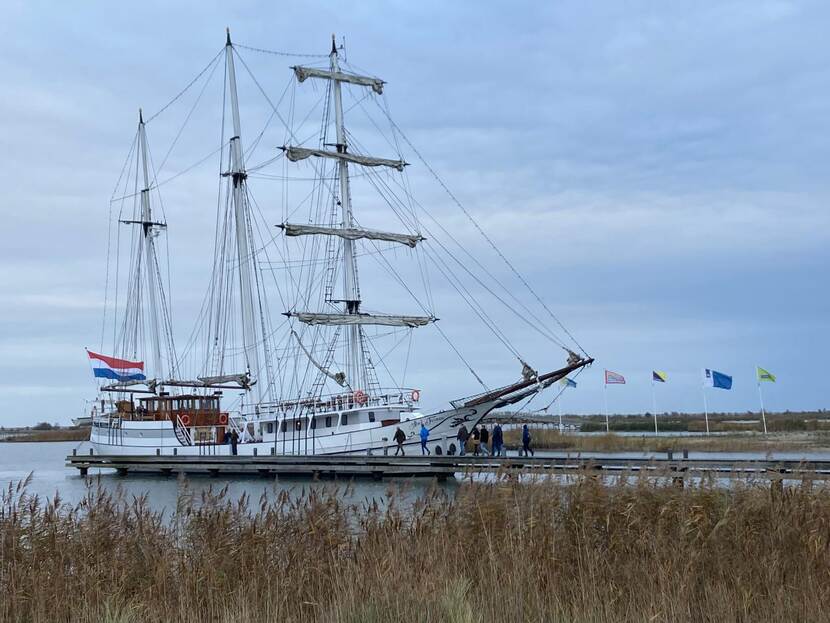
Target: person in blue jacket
point(526, 441)
point(424, 439)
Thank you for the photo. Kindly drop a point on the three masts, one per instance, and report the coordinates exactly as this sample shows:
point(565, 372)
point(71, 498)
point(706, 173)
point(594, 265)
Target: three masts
point(360, 415)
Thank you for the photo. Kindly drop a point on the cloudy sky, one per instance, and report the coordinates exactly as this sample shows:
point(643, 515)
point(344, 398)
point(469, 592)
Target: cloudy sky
point(657, 170)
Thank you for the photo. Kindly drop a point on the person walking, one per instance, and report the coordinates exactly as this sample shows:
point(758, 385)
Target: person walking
point(399, 438)
point(476, 440)
point(526, 439)
point(424, 439)
point(485, 439)
point(234, 441)
point(462, 437)
point(498, 440)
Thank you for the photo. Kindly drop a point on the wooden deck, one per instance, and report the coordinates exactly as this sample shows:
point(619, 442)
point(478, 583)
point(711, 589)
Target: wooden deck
point(442, 467)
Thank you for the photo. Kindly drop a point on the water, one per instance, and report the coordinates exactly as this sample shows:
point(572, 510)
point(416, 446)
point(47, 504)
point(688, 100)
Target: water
point(49, 476)
point(46, 462)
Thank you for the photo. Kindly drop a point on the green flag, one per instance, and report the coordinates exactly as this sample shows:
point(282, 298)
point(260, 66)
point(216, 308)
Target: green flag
point(764, 375)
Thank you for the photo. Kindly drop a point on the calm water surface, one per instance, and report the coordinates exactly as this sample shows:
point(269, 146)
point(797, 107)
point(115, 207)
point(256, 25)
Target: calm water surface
point(46, 462)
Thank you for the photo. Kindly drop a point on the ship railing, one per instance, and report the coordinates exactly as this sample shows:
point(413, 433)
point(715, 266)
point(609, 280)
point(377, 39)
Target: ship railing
point(349, 400)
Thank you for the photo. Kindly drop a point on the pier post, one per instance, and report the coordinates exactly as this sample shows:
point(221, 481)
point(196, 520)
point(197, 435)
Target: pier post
point(685, 453)
point(255, 451)
point(670, 454)
point(83, 470)
point(90, 452)
point(74, 451)
point(158, 451)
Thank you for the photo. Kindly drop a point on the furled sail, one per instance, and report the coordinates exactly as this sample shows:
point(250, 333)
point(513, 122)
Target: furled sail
point(301, 153)
point(350, 233)
point(243, 379)
point(314, 318)
point(311, 72)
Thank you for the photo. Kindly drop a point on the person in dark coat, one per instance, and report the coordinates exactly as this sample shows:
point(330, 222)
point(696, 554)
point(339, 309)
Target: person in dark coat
point(526, 439)
point(498, 440)
point(399, 438)
point(476, 440)
point(234, 441)
point(462, 437)
point(485, 439)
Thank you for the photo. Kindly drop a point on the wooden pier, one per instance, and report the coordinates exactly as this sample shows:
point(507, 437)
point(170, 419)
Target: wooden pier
point(443, 467)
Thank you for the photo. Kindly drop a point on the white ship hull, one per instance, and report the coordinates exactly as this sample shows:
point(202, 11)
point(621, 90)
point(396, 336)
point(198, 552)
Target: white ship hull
point(114, 436)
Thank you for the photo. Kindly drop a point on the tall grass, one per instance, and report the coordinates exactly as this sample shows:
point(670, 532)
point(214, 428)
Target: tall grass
point(505, 551)
point(552, 439)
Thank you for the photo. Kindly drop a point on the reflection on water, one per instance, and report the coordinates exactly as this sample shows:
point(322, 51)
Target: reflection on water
point(46, 462)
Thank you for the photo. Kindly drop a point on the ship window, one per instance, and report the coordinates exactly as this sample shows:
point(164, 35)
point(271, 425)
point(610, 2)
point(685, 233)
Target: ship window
point(344, 419)
point(313, 423)
point(282, 426)
point(328, 421)
point(298, 425)
point(270, 427)
point(371, 416)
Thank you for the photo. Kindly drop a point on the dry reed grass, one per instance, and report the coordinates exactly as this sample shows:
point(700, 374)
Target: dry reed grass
point(552, 439)
point(540, 551)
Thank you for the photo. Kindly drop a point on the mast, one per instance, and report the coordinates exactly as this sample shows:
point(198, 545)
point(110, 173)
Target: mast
point(360, 373)
point(245, 260)
point(149, 230)
point(351, 290)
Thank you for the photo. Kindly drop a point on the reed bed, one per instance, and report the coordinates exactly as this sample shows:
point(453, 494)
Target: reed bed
point(552, 439)
point(584, 551)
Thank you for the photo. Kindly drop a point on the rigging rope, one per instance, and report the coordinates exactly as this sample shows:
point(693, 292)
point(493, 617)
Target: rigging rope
point(184, 90)
point(478, 227)
point(279, 53)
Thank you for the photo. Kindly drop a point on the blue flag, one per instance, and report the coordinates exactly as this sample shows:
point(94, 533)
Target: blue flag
point(719, 380)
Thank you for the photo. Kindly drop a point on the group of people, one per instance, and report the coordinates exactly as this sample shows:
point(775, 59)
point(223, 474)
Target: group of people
point(484, 441)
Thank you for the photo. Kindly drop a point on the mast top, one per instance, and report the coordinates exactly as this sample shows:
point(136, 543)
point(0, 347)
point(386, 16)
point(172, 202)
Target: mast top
point(228, 32)
point(333, 45)
point(140, 117)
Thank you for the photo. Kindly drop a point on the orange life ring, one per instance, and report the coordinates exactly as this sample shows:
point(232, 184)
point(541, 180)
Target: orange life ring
point(416, 395)
point(360, 397)
point(185, 420)
point(223, 418)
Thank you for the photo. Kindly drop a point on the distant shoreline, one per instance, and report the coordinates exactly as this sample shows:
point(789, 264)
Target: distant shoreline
point(19, 435)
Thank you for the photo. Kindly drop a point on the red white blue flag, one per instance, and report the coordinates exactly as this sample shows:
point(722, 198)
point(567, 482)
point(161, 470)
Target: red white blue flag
point(612, 378)
point(104, 367)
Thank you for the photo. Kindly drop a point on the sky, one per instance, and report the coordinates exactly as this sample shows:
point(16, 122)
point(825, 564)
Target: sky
point(657, 171)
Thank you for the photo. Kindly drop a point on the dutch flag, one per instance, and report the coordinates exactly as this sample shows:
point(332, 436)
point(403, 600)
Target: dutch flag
point(121, 370)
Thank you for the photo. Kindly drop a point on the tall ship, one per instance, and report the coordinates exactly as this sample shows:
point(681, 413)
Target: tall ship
point(315, 376)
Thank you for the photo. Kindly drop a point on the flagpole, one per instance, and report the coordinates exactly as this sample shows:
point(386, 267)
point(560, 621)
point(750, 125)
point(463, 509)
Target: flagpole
point(653, 403)
point(607, 424)
point(705, 409)
point(761, 398)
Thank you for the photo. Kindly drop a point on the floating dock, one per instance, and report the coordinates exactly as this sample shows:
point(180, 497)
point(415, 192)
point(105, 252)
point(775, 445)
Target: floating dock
point(443, 467)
